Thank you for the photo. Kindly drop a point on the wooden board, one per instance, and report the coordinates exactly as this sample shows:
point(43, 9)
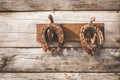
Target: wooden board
point(69, 60)
point(59, 76)
point(18, 29)
point(71, 31)
point(42, 5)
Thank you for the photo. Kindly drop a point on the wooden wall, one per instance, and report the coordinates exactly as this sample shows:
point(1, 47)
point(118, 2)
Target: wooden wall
point(25, 59)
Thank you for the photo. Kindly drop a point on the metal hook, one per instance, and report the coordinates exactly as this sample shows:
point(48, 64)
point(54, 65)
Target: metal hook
point(92, 20)
point(50, 31)
point(51, 18)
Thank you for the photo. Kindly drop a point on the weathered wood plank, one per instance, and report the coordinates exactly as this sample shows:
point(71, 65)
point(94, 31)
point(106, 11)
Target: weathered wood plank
point(62, 16)
point(59, 76)
point(69, 60)
point(39, 5)
point(19, 29)
point(29, 40)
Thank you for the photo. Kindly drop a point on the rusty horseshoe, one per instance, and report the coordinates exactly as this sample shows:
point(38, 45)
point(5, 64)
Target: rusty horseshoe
point(49, 31)
point(91, 37)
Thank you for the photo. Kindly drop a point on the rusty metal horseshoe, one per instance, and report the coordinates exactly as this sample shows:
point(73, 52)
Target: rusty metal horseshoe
point(49, 30)
point(88, 40)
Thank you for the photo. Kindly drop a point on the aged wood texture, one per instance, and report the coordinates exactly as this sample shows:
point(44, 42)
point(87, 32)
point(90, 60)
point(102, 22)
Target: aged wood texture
point(69, 60)
point(22, 53)
point(39, 5)
point(18, 29)
point(59, 76)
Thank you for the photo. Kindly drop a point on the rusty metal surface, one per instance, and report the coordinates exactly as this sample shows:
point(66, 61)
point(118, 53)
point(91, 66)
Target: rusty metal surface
point(50, 32)
point(71, 31)
point(91, 37)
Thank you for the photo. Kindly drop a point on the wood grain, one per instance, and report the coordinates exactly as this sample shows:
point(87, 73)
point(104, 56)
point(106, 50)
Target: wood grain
point(18, 29)
point(26, 60)
point(73, 5)
point(59, 76)
point(69, 60)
